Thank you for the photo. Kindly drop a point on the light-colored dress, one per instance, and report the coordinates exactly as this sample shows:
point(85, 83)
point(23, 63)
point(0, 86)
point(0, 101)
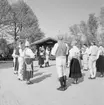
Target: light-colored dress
point(28, 65)
point(21, 62)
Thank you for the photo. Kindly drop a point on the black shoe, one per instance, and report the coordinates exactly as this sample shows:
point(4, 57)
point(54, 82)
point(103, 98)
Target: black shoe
point(90, 78)
point(41, 66)
point(65, 87)
point(94, 78)
point(101, 75)
point(61, 88)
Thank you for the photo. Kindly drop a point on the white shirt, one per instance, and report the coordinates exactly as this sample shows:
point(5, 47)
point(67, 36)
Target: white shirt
point(74, 51)
point(47, 52)
point(14, 55)
point(28, 52)
point(100, 50)
point(93, 50)
point(54, 49)
point(21, 53)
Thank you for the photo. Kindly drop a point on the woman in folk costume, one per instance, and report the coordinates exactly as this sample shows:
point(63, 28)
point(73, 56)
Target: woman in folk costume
point(75, 69)
point(85, 58)
point(15, 59)
point(28, 62)
point(100, 61)
point(41, 56)
point(60, 51)
point(47, 53)
point(21, 62)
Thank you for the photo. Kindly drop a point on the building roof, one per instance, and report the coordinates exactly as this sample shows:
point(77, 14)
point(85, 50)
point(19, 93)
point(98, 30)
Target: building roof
point(44, 40)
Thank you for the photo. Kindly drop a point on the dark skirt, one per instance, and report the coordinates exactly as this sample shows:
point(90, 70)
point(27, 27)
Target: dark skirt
point(75, 69)
point(41, 60)
point(100, 64)
point(27, 74)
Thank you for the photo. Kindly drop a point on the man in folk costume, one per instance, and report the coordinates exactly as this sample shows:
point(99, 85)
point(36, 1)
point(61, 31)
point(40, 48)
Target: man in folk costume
point(28, 59)
point(15, 59)
point(60, 51)
point(21, 62)
point(85, 57)
point(92, 60)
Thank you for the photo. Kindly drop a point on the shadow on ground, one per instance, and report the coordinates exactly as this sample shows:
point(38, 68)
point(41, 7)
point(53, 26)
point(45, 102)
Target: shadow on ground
point(36, 70)
point(40, 79)
point(70, 80)
point(37, 74)
point(52, 65)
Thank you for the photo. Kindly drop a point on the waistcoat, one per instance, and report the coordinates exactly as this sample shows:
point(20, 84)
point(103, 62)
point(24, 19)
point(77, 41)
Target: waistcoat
point(61, 50)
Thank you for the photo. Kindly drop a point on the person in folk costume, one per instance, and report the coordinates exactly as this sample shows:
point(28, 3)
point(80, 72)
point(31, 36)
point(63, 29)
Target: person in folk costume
point(67, 60)
point(15, 59)
point(93, 51)
point(60, 51)
point(13, 55)
point(21, 61)
point(81, 55)
point(85, 57)
point(47, 53)
point(41, 56)
point(28, 59)
point(75, 68)
point(100, 60)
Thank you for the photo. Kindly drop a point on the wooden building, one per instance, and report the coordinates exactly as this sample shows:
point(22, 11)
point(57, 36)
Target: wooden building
point(45, 42)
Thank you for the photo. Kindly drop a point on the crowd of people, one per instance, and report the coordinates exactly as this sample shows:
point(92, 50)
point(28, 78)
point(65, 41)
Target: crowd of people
point(23, 61)
point(88, 58)
point(23, 58)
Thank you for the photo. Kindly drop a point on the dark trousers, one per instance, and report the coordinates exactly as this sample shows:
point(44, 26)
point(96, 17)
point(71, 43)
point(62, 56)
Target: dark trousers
point(16, 64)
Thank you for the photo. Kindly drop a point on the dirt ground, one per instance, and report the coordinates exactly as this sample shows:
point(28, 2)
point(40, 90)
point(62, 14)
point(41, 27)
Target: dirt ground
point(44, 91)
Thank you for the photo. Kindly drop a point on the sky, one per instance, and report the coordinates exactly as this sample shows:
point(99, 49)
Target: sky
point(56, 16)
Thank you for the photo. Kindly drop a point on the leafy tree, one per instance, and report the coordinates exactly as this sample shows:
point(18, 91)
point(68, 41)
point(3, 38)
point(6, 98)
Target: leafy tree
point(32, 34)
point(4, 50)
point(101, 17)
point(25, 22)
point(74, 29)
point(19, 17)
point(92, 26)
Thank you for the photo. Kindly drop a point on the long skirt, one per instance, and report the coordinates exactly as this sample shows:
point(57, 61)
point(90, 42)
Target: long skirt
point(75, 69)
point(41, 60)
point(28, 72)
point(100, 64)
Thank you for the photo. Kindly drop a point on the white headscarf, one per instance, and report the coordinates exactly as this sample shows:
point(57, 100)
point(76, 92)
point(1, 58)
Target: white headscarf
point(27, 44)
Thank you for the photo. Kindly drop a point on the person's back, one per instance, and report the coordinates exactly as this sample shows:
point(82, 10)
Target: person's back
point(62, 49)
point(94, 50)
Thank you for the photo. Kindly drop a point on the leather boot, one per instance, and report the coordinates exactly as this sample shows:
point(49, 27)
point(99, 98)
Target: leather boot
point(61, 83)
point(64, 81)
